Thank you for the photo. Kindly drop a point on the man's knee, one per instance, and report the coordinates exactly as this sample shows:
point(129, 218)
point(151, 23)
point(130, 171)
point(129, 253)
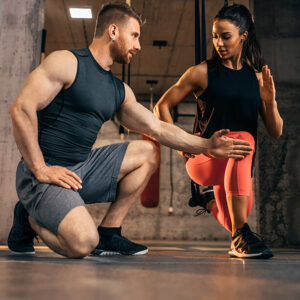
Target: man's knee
point(83, 244)
point(151, 153)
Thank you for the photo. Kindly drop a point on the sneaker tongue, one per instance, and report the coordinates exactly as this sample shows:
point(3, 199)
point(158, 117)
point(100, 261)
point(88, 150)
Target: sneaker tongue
point(246, 227)
point(242, 230)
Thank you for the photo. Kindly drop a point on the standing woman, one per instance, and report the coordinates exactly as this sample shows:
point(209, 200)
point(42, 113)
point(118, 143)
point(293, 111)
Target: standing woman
point(231, 89)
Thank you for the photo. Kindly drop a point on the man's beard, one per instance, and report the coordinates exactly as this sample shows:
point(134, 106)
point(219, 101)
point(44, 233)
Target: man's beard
point(119, 53)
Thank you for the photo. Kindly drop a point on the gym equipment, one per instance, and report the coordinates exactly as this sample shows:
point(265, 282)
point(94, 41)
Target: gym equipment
point(150, 195)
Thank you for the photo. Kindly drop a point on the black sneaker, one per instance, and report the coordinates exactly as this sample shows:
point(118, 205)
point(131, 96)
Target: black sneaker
point(118, 245)
point(247, 244)
point(20, 238)
point(201, 198)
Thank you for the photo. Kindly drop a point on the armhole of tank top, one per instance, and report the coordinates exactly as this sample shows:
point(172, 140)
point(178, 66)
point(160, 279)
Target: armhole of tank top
point(208, 74)
point(208, 80)
point(77, 72)
point(121, 91)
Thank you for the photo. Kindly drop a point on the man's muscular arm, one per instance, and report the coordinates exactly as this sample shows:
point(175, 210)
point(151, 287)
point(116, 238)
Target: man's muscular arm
point(135, 117)
point(57, 71)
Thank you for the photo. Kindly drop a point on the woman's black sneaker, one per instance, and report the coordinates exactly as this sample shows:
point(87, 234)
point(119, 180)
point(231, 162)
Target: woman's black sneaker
point(247, 244)
point(118, 245)
point(201, 198)
point(20, 238)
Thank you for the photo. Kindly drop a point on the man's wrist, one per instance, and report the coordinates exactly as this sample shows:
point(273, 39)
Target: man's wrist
point(205, 145)
point(36, 168)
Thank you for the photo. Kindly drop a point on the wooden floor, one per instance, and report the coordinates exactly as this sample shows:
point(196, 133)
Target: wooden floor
point(171, 270)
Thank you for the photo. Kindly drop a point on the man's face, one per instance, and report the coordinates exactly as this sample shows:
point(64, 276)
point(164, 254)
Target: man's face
point(127, 42)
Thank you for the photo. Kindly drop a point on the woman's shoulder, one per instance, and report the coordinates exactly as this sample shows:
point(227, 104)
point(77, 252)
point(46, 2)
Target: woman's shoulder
point(200, 69)
point(198, 76)
point(198, 72)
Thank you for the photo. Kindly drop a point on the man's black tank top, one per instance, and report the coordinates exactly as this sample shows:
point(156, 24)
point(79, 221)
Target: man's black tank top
point(230, 101)
point(69, 125)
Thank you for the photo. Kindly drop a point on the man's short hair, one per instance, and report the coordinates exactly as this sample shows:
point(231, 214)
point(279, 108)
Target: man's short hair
point(116, 13)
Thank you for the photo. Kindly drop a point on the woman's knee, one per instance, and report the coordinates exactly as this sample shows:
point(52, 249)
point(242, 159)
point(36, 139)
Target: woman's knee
point(246, 136)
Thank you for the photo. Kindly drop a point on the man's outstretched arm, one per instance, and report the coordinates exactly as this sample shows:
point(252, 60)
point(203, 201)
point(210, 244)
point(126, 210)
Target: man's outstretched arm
point(137, 118)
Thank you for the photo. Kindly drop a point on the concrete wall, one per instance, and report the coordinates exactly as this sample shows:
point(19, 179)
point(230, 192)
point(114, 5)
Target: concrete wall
point(278, 181)
point(21, 22)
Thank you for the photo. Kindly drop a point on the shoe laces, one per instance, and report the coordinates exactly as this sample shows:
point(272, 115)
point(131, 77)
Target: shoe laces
point(201, 211)
point(251, 237)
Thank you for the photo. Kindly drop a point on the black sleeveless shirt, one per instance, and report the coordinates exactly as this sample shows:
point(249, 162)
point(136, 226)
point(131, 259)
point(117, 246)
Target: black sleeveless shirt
point(230, 101)
point(69, 125)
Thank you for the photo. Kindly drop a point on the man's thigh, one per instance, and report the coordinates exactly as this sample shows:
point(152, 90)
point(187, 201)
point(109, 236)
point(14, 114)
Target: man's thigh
point(77, 227)
point(47, 204)
point(99, 173)
point(137, 153)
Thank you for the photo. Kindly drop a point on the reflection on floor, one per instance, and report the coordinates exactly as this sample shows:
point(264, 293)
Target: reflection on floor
point(171, 270)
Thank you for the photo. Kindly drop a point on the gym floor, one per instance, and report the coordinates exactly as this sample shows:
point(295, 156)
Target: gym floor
point(171, 270)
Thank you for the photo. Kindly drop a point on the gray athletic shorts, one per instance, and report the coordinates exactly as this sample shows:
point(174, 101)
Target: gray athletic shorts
point(48, 204)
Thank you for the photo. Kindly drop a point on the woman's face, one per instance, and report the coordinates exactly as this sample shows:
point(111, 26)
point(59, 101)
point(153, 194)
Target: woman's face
point(227, 39)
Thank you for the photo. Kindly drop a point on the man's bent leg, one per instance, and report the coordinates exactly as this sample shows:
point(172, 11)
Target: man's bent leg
point(76, 236)
point(139, 163)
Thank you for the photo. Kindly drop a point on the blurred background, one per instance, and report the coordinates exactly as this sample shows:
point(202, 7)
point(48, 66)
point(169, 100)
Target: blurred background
point(168, 49)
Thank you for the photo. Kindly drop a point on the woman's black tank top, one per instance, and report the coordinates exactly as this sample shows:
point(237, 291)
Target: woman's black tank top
point(230, 101)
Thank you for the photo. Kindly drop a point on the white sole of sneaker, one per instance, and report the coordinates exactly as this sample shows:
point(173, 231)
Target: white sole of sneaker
point(234, 253)
point(113, 253)
point(141, 252)
point(23, 253)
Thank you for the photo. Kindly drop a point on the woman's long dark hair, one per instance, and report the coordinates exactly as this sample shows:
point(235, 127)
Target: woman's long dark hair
point(241, 17)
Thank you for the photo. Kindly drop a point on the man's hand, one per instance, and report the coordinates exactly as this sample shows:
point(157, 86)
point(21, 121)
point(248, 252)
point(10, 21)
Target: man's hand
point(59, 176)
point(224, 147)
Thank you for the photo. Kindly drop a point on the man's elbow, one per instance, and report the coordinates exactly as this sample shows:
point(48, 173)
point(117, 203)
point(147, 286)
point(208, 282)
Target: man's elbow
point(13, 110)
point(17, 112)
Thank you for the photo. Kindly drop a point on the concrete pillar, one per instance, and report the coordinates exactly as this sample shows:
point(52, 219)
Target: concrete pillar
point(278, 181)
point(21, 22)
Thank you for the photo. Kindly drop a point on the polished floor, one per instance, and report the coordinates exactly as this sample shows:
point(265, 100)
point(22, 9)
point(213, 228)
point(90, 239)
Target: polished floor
point(171, 270)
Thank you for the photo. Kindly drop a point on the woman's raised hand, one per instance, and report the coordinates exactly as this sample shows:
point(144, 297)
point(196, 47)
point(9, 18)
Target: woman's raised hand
point(266, 86)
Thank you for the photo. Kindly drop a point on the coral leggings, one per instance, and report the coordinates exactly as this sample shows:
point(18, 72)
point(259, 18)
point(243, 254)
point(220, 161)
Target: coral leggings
point(228, 176)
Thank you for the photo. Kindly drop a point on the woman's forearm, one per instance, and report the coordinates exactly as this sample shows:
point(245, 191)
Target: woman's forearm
point(273, 120)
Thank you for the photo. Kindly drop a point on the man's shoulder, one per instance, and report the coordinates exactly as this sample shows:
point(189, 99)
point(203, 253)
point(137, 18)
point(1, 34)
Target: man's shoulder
point(60, 65)
point(61, 57)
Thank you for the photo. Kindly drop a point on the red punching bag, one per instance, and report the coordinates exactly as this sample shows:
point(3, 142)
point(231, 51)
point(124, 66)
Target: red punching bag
point(150, 195)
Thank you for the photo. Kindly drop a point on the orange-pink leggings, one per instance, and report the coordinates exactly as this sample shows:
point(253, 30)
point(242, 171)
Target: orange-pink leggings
point(228, 176)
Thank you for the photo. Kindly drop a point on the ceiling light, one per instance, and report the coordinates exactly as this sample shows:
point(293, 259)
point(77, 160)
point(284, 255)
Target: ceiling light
point(81, 13)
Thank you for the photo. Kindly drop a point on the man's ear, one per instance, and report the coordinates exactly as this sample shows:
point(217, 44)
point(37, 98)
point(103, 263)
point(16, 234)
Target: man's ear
point(113, 32)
